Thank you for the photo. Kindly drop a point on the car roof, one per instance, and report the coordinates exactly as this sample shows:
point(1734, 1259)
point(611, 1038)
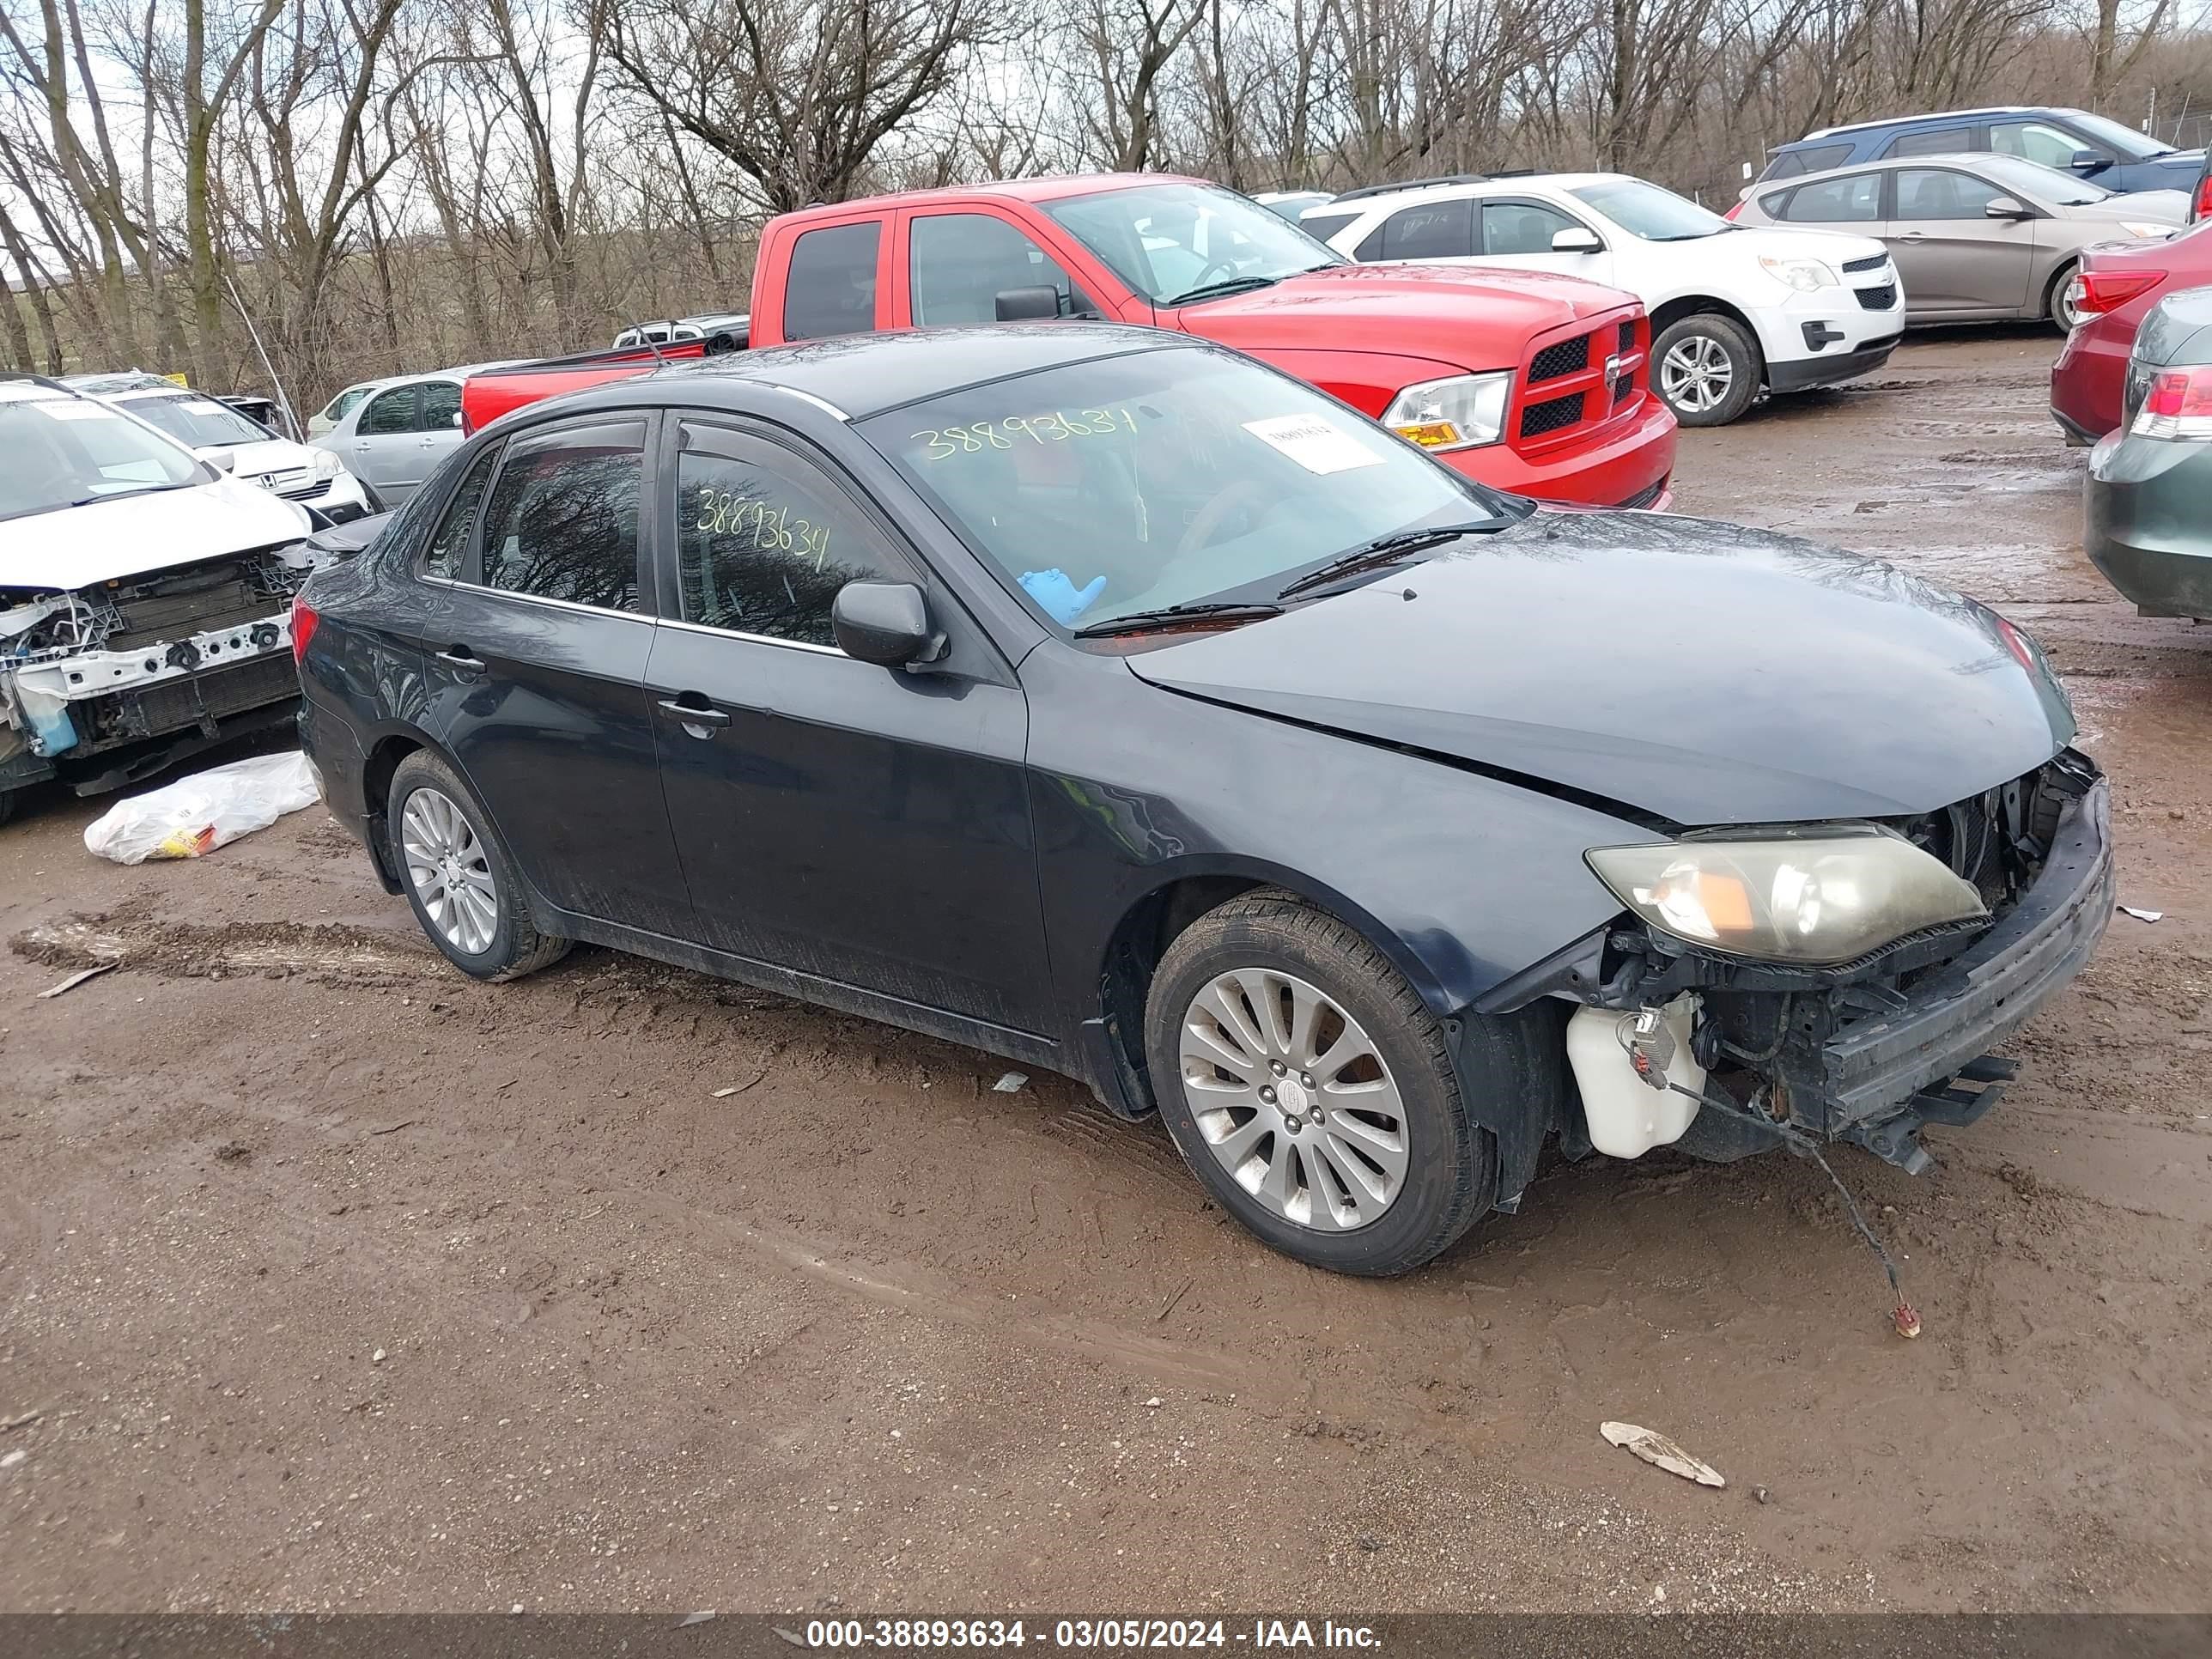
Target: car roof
point(858, 375)
point(18, 387)
point(1500, 184)
point(1916, 120)
point(1050, 188)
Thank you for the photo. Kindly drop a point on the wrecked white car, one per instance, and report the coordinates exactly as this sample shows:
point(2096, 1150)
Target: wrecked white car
point(145, 598)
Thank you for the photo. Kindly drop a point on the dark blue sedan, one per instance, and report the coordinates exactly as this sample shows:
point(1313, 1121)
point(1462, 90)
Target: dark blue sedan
point(1104, 699)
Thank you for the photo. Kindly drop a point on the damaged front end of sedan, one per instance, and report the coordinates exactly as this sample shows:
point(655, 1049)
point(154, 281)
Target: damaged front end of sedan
point(1806, 984)
point(109, 682)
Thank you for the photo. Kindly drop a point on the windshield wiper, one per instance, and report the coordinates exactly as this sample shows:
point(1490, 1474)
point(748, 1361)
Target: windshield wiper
point(1222, 289)
point(1386, 549)
point(1135, 622)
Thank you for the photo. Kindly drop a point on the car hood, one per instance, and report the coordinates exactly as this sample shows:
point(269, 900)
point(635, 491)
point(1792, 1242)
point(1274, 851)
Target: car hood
point(1750, 243)
point(2161, 207)
point(1700, 672)
point(104, 541)
point(1477, 318)
point(257, 460)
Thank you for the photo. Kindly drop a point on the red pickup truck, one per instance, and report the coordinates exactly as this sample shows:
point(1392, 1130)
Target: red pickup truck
point(1526, 380)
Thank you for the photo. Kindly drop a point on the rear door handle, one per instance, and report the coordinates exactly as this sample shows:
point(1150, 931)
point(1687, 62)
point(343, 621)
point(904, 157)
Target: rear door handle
point(460, 658)
point(695, 717)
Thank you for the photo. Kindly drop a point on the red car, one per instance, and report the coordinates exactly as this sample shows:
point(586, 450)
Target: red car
point(2117, 286)
point(1527, 382)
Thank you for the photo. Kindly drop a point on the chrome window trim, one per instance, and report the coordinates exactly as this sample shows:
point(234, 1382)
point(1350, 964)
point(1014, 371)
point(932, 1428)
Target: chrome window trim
point(756, 639)
point(536, 599)
point(822, 403)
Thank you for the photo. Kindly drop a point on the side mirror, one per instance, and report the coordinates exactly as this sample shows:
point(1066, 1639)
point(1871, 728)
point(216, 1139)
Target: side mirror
point(2089, 160)
point(1023, 305)
point(2005, 206)
point(1576, 239)
point(884, 623)
point(457, 417)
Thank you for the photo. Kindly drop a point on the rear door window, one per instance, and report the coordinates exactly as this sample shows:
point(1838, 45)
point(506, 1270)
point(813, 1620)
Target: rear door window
point(1937, 140)
point(1431, 230)
point(829, 286)
point(1854, 200)
point(392, 412)
point(1323, 226)
point(562, 520)
point(447, 553)
point(961, 262)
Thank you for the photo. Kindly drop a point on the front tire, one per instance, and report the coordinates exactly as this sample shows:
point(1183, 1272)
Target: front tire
point(1312, 1091)
point(459, 876)
point(1706, 367)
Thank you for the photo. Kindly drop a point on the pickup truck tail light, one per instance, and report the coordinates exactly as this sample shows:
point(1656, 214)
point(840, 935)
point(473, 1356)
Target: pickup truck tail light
point(2096, 292)
point(303, 629)
point(2179, 406)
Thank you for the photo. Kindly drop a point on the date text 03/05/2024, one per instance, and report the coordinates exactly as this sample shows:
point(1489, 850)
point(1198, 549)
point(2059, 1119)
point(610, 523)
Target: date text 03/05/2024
point(1086, 1634)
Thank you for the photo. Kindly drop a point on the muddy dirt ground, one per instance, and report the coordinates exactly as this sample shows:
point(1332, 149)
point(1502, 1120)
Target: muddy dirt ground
point(339, 1281)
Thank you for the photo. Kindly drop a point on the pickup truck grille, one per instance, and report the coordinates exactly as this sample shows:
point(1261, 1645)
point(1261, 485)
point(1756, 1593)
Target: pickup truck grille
point(1553, 415)
point(1582, 381)
point(1564, 358)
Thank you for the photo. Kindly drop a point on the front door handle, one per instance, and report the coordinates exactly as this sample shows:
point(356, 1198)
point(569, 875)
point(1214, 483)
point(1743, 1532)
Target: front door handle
point(1913, 236)
point(697, 719)
point(459, 657)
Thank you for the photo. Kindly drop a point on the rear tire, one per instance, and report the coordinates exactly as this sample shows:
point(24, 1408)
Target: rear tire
point(1384, 1169)
point(1706, 369)
point(2054, 304)
point(459, 876)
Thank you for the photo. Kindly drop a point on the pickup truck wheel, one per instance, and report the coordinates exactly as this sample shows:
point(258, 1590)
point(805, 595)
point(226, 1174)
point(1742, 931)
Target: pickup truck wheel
point(458, 875)
point(1312, 1091)
point(1706, 367)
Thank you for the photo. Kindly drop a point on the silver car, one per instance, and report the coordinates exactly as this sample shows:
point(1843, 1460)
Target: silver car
point(1975, 238)
point(393, 439)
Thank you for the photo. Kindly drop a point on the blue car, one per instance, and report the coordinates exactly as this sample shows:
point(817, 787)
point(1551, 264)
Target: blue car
point(2073, 141)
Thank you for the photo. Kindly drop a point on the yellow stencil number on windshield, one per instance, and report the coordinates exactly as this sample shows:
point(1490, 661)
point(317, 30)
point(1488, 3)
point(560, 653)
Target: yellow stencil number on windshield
point(1051, 426)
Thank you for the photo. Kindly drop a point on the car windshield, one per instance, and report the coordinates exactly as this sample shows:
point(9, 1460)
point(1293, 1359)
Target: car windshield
point(1165, 477)
point(2126, 142)
point(1177, 244)
point(1644, 209)
point(199, 423)
point(2044, 184)
point(67, 451)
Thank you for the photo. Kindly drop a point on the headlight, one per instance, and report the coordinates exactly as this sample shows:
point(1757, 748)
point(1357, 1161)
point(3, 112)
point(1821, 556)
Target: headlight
point(327, 464)
point(1455, 414)
point(1807, 276)
point(2135, 228)
point(1827, 896)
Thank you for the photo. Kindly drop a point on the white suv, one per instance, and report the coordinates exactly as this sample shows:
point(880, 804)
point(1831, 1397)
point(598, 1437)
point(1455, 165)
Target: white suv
point(231, 443)
point(1735, 308)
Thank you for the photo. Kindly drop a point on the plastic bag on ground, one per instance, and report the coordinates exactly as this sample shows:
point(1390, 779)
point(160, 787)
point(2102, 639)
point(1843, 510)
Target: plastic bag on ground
point(209, 809)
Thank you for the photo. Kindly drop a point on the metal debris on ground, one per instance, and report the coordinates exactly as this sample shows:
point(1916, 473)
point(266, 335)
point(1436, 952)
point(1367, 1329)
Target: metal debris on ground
point(2143, 915)
point(1660, 1452)
point(1012, 1083)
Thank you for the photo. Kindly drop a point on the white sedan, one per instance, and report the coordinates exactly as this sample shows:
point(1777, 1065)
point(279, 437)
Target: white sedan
point(315, 479)
point(1736, 309)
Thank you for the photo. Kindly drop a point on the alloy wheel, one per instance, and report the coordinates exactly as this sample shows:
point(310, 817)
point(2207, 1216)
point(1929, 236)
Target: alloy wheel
point(1696, 374)
point(450, 871)
point(1293, 1099)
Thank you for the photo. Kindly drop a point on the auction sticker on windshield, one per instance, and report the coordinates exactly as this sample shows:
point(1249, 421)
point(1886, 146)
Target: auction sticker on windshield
point(1314, 442)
